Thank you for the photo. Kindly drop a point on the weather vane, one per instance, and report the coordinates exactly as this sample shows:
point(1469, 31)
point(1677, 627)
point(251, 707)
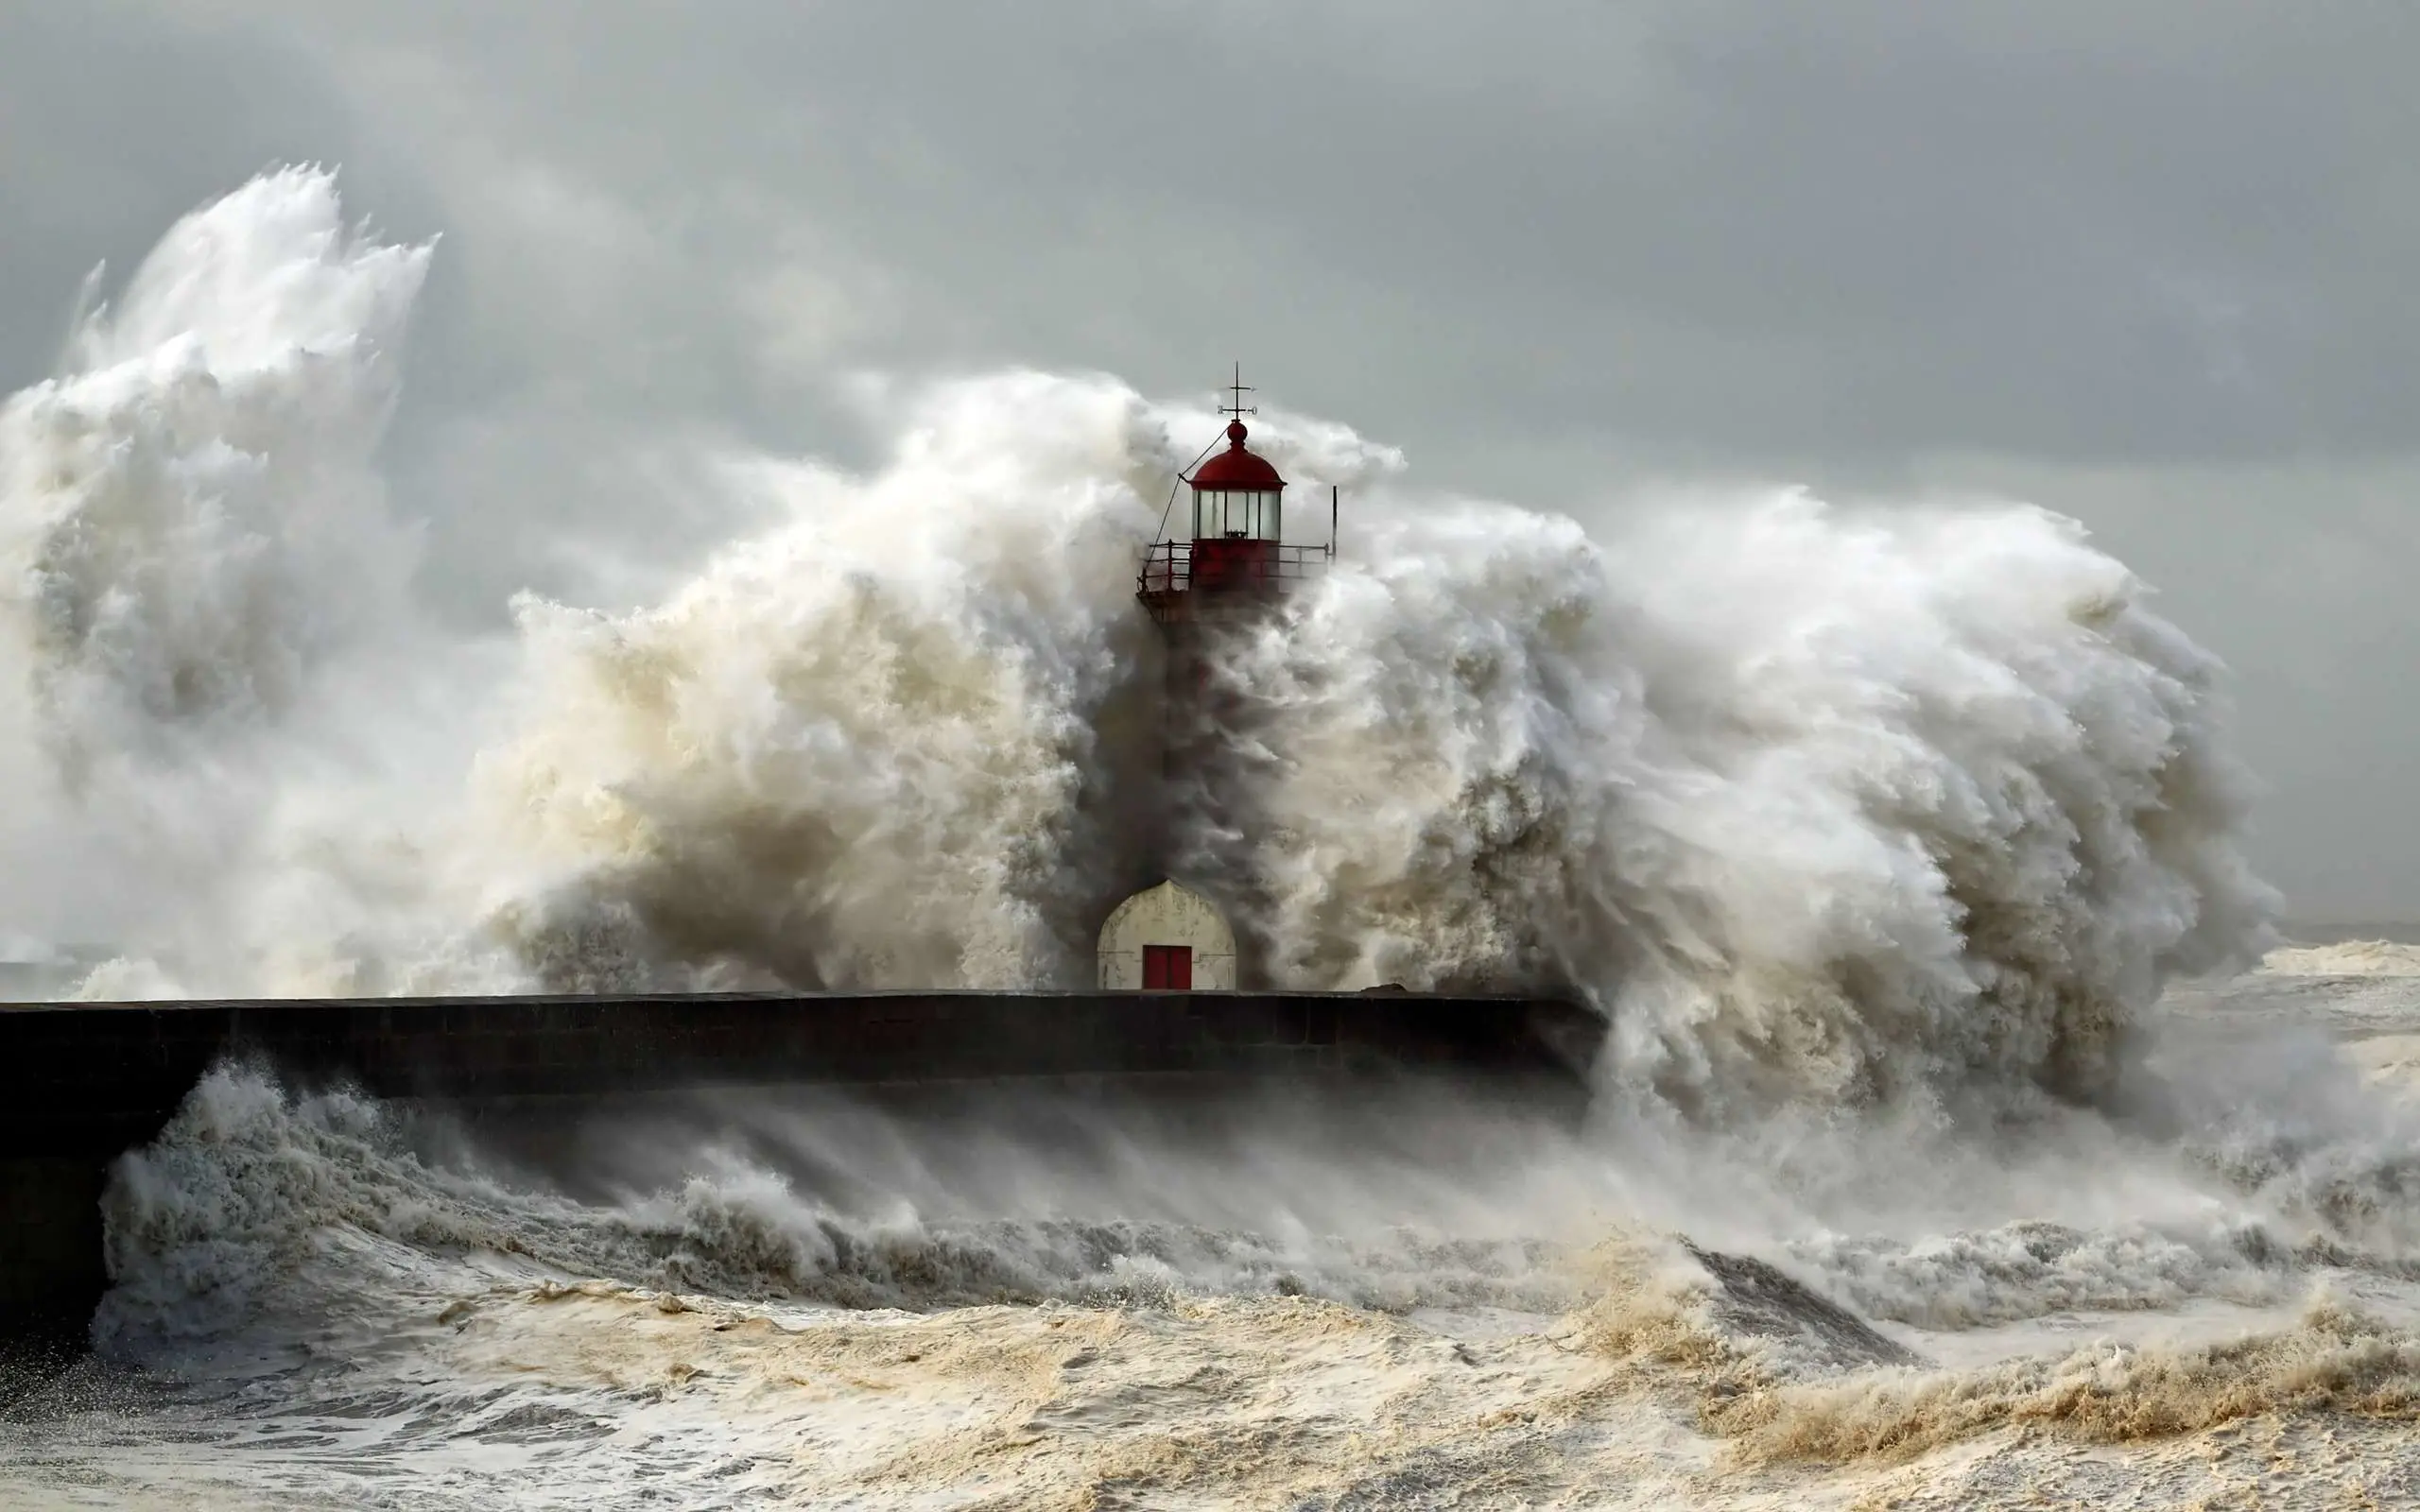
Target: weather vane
point(1238, 389)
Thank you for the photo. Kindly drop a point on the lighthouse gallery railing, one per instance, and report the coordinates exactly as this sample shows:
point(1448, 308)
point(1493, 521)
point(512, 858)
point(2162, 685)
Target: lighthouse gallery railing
point(1213, 565)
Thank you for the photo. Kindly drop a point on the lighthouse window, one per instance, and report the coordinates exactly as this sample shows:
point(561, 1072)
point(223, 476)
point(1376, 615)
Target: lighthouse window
point(1217, 506)
point(1248, 512)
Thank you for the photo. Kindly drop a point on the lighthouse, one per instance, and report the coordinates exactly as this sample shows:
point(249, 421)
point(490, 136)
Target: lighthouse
point(1227, 564)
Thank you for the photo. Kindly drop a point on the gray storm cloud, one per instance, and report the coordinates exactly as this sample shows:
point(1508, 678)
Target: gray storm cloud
point(2141, 267)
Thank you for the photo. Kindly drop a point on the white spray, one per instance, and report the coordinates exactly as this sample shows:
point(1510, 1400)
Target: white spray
point(1823, 804)
point(192, 530)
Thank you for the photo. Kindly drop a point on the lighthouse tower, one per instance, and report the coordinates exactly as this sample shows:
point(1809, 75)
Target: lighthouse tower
point(1229, 566)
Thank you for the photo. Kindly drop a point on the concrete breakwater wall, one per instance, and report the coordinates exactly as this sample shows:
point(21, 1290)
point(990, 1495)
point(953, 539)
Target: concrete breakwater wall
point(82, 1083)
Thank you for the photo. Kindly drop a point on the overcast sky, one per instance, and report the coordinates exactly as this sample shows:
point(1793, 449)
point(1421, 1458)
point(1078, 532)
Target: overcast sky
point(2150, 264)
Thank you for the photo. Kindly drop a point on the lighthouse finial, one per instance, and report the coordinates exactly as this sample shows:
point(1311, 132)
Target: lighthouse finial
point(1238, 389)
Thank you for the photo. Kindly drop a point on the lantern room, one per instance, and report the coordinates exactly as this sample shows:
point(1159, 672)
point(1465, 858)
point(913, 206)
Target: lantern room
point(1237, 494)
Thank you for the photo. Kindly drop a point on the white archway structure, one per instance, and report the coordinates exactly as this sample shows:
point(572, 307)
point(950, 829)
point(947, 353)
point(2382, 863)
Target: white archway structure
point(1167, 936)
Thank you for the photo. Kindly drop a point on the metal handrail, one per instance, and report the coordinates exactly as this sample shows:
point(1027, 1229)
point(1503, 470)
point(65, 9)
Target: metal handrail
point(1168, 567)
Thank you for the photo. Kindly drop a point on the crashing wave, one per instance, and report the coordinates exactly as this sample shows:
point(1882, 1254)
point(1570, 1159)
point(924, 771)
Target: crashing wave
point(1820, 805)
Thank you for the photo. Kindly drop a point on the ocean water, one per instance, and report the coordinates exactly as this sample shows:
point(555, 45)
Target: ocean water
point(1966, 1134)
point(815, 1303)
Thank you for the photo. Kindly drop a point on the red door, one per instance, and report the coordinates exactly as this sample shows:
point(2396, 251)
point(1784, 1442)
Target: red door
point(1167, 967)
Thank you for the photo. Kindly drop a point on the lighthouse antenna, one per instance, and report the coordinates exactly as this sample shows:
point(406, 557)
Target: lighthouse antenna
point(1238, 389)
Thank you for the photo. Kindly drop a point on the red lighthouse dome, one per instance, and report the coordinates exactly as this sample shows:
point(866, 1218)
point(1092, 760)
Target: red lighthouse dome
point(1237, 494)
point(1237, 467)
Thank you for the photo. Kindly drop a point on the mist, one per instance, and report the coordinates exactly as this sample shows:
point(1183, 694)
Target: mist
point(1818, 802)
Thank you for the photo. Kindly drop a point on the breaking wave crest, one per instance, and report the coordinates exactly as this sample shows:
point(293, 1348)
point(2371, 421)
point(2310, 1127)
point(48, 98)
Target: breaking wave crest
point(259, 1205)
point(194, 522)
point(1782, 1374)
point(351, 1286)
point(1822, 804)
point(2333, 1359)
